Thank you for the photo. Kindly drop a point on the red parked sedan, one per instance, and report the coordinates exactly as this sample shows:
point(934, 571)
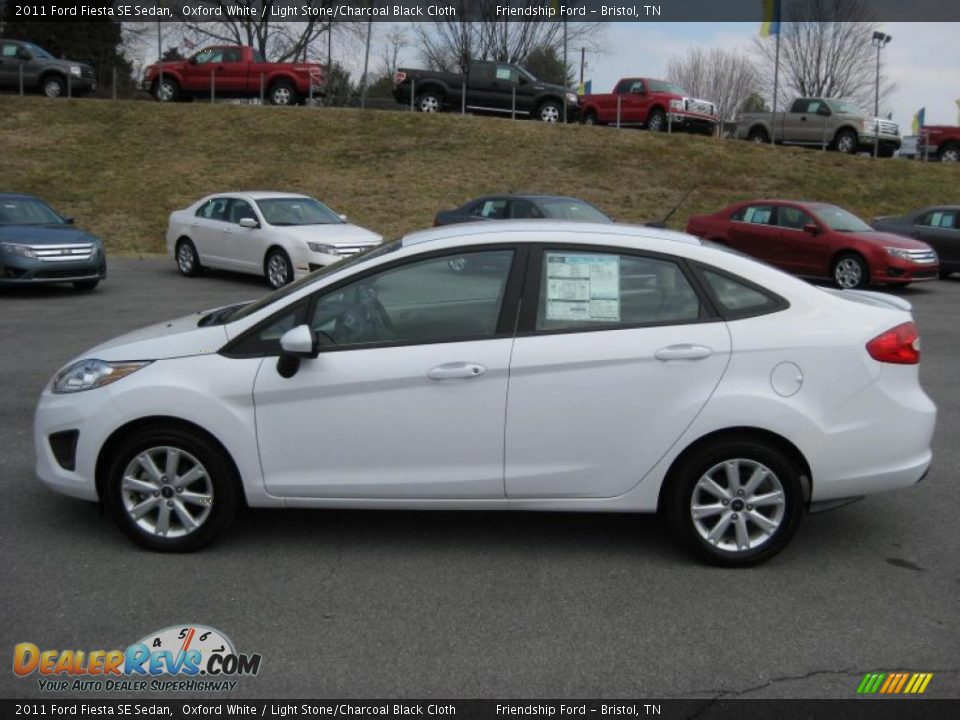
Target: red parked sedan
point(818, 240)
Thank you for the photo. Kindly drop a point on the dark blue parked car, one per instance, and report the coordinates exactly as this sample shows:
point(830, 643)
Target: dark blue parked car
point(37, 245)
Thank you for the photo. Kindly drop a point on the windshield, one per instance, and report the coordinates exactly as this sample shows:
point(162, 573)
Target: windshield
point(570, 209)
point(243, 311)
point(842, 106)
point(840, 220)
point(37, 51)
point(297, 211)
point(659, 86)
point(27, 211)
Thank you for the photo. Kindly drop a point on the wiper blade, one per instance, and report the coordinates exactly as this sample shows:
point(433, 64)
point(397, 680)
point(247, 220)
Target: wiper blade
point(219, 317)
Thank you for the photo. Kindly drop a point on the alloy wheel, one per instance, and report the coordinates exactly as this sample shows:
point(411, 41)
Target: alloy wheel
point(166, 492)
point(951, 155)
point(845, 144)
point(738, 505)
point(429, 104)
point(185, 258)
point(282, 96)
point(278, 272)
point(550, 113)
point(52, 89)
point(848, 273)
point(165, 92)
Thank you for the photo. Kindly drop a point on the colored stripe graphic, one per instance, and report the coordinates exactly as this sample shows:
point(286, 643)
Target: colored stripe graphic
point(894, 683)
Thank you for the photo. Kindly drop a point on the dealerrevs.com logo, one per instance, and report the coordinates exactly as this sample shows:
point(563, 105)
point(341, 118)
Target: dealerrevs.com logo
point(176, 659)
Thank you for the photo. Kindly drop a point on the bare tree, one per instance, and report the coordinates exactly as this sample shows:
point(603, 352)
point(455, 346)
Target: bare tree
point(821, 58)
point(725, 77)
point(394, 44)
point(480, 33)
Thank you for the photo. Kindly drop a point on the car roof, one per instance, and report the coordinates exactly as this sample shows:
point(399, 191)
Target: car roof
point(526, 196)
point(261, 194)
point(449, 232)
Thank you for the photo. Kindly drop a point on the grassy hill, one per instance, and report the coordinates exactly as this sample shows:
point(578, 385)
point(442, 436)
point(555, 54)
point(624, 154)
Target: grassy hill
point(121, 167)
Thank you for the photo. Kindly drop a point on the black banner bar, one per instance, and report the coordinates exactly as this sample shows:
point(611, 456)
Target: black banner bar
point(901, 708)
point(473, 10)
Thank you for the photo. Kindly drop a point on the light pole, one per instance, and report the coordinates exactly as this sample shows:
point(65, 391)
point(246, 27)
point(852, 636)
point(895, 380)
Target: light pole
point(879, 40)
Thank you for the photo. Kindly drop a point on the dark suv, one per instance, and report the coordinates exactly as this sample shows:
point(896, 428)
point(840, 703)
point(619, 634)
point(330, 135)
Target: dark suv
point(41, 71)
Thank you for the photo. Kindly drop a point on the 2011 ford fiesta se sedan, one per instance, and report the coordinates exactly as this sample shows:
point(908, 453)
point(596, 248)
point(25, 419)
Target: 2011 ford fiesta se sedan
point(570, 367)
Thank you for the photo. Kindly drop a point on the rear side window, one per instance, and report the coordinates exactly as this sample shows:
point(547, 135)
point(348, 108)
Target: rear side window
point(582, 290)
point(754, 214)
point(491, 209)
point(939, 219)
point(738, 298)
point(215, 209)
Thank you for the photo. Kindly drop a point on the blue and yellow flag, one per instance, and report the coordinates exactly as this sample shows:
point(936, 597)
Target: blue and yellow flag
point(918, 119)
point(771, 18)
point(585, 88)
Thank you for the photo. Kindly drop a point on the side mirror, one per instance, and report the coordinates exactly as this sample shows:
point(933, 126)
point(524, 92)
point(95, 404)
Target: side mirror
point(248, 222)
point(192, 61)
point(342, 217)
point(296, 344)
point(811, 229)
point(68, 221)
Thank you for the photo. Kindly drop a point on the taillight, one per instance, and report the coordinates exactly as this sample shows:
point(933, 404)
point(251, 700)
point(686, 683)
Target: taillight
point(900, 345)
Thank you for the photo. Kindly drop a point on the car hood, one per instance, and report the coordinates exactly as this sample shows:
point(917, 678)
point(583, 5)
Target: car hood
point(44, 234)
point(886, 239)
point(173, 338)
point(333, 234)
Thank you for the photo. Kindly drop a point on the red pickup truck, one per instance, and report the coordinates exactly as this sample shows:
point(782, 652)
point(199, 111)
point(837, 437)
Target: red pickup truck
point(654, 104)
point(234, 71)
point(942, 141)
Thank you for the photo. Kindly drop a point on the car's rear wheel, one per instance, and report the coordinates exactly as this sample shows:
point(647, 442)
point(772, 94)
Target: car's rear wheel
point(188, 262)
point(735, 503)
point(850, 272)
point(86, 285)
point(950, 154)
point(278, 268)
point(171, 490)
point(759, 135)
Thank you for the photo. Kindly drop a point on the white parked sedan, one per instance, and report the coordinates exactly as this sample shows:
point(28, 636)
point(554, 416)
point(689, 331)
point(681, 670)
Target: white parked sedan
point(281, 236)
point(569, 367)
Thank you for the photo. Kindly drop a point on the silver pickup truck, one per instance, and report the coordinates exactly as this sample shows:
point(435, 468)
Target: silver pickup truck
point(822, 122)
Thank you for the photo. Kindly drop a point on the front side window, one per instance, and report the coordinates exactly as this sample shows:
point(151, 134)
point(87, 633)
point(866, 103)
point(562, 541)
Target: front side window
point(792, 218)
point(525, 210)
point(585, 290)
point(210, 55)
point(239, 210)
point(214, 209)
point(435, 300)
point(939, 219)
point(232, 55)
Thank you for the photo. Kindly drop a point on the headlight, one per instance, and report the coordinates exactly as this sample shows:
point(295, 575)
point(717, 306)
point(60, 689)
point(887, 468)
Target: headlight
point(676, 105)
point(75, 70)
point(900, 253)
point(21, 250)
point(89, 374)
point(572, 98)
point(321, 248)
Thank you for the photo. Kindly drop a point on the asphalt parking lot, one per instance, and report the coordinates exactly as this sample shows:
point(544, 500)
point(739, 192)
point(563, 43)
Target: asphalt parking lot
point(415, 604)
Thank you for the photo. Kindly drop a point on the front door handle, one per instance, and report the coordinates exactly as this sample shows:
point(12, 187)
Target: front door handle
point(683, 352)
point(456, 370)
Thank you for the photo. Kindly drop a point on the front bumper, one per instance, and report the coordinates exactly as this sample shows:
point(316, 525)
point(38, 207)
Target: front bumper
point(899, 272)
point(15, 270)
point(868, 141)
point(692, 121)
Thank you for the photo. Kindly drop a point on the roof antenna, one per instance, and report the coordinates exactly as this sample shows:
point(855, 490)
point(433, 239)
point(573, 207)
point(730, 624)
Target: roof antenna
point(663, 223)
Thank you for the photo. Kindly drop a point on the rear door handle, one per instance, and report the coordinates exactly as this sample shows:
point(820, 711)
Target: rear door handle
point(683, 352)
point(456, 370)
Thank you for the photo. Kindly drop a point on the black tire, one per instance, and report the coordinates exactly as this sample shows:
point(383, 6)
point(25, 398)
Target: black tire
point(850, 272)
point(950, 153)
point(188, 261)
point(171, 90)
point(277, 268)
point(218, 482)
point(847, 141)
point(86, 285)
point(550, 111)
point(430, 101)
point(685, 481)
point(759, 136)
point(53, 86)
point(886, 152)
point(282, 93)
point(590, 118)
point(944, 274)
point(657, 122)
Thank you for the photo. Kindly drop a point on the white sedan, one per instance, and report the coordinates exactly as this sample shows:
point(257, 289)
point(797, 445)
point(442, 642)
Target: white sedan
point(281, 236)
point(568, 366)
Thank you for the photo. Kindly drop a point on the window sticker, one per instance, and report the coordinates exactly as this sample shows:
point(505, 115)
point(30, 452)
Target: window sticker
point(583, 287)
point(503, 73)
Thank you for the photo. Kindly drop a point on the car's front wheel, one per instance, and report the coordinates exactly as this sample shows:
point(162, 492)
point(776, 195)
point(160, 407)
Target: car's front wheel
point(53, 86)
point(550, 112)
point(847, 142)
point(171, 490)
point(657, 122)
point(278, 268)
point(850, 272)
point(735, 503)
point(188, 262)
